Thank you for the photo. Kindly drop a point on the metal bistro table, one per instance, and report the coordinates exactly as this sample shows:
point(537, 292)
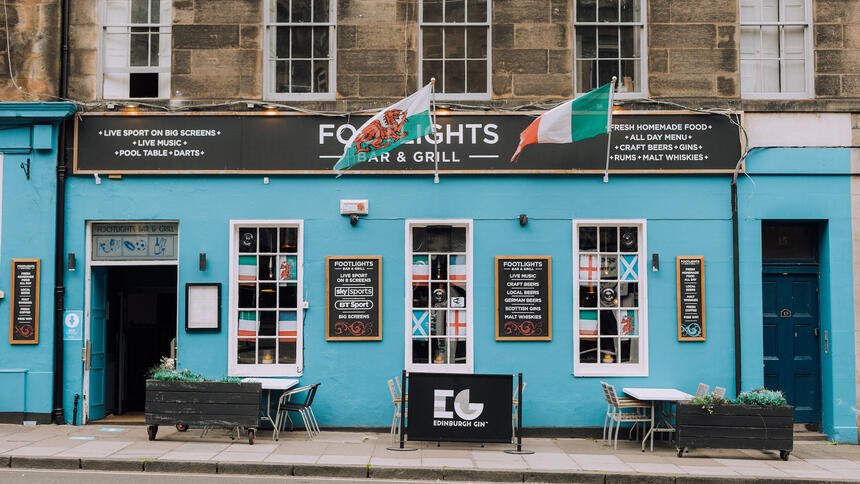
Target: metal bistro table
point(270, 385)
point(664, 396)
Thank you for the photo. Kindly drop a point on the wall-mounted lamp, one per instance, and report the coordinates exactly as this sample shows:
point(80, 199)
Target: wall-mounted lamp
point(655, 262)
point(71, 262)
point(265, 180)
point(111, 106)
point(270, 109)
point(97, 178)
point(524, 219)
point(353, 219)
point(202, 262)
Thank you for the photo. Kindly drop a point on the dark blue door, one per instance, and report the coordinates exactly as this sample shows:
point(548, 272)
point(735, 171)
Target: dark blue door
point(97, 344)
point(790, 304)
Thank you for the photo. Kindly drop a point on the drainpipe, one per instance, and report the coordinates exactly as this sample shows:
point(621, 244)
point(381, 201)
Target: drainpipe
point(737, 282)
point(59, 230)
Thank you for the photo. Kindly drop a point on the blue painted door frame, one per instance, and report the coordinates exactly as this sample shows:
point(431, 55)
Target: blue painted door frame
point(791, 338)
point(97, 355)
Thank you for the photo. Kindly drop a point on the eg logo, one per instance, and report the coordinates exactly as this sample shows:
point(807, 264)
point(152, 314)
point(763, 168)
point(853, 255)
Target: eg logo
point(464, 409)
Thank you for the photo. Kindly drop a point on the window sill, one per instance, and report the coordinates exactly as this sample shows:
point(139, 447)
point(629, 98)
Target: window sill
point(428, 368)
point(265, 370)
point(605, 370)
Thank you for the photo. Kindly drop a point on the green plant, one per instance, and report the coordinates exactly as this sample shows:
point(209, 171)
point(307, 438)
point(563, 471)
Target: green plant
point(166, 370)
point(709, 401)
point(761, 396)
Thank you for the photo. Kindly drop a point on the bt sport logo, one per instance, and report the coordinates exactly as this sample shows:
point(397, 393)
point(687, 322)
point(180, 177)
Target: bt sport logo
point(466, 411)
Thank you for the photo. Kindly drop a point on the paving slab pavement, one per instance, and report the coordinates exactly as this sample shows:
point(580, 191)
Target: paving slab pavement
point(366, 455)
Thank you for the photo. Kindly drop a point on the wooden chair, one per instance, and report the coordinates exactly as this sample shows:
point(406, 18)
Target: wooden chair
point(616, 413)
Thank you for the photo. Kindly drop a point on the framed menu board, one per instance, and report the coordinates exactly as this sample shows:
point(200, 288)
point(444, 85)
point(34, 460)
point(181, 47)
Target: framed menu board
point(523, 298)
point(24, 313)
point(690, 273)
point(353, 295)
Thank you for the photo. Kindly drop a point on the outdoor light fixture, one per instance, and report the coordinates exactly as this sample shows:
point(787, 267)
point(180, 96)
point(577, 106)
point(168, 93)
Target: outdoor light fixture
point(655, 262)
point(353, 219)
point(202, 263)
point(271, 109)
point(71, 262)
point(97, 178)
point(524, 219)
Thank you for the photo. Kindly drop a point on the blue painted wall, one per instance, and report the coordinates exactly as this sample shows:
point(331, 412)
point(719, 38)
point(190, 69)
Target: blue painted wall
point(29, 131)
point(685, 216)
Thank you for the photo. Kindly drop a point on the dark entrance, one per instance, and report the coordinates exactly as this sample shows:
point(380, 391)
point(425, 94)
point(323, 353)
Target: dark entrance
point(790, 319)
point(140, 323)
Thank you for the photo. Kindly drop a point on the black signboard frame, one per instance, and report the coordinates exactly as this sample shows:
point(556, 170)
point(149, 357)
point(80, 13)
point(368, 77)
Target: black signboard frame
point(656, 142)
point(527, 329)
point(26, 332)
point(491, 392)
point(359, 330)
point(692, 329)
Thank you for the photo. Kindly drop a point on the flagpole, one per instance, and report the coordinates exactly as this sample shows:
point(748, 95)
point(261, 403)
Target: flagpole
point(433, 130)
point(609, 129)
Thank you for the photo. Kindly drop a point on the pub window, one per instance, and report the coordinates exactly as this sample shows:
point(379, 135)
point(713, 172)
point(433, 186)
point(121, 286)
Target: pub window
point(610, 323)
point(265, 299)
point(453, 47)
point(136, 48)
point(609, 38)
point(439, 296)
point(776, 47)
point(300, 47)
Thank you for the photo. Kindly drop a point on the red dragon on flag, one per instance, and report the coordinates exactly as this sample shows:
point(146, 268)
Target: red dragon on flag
point(379, 135)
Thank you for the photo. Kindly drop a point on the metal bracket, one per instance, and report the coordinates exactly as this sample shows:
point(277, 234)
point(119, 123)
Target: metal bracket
point(25, 165)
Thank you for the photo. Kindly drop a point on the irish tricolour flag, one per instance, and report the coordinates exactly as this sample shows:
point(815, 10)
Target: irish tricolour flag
point(581, 118)
point(403, 121)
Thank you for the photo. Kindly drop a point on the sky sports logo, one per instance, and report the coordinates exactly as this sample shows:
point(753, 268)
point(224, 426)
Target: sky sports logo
point(466, 411)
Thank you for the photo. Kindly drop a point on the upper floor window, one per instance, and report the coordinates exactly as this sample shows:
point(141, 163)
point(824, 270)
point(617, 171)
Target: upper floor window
point(453, 47)
point(610, 324)
point(776, 48)
point(609, 42)
point(299, 49)
point(266, 275)
point(136, 49)
point(439, 296)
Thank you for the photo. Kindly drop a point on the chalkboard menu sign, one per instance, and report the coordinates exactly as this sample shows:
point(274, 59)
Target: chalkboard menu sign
point(353, 297)
point(690, 271)
point(24, 314)
point(523, 298)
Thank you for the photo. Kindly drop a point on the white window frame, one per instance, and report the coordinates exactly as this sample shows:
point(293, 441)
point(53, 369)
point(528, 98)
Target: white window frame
point(473, 96)
point(268, 65)
point(469, 366)
point(809, 74)
point(613, 369)
point(643, 50)
point(165, 27)
point(273, 369)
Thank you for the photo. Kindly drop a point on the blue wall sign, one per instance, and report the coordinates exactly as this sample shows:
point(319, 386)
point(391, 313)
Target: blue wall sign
point(73, 324)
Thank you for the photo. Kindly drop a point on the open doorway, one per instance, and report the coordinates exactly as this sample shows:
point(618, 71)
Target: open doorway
point(139, 327)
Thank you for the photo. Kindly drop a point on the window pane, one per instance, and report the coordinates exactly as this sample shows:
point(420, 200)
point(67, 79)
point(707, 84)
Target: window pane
point(770, 42)
point(247, 240)
point(267, 297)
point(432, 42)
point(794, 10)
point(246, 352)
point(586, 75)
point(266, 268)
point(629, 42)
point(629, 294)
point(607, 350)
point(629, 239)
point(608, 295)
point(320, 79)
point(629, 350)
point(437, 323)
point(770, 75)
point(248, 295)
point(282, 76)
point(458, 295)
point(586, 42)
point(440, 351)
point(455, 43)
point(630, 11)
point(321, 11)
point(301, 39)
point(793, 42)
point(288, 238)
point(287, 268)
point(476, 76)
point(282, 11)
point(476, 43)
point(321, 42)
point(439, 267)
point(750, 76)
point(287, 296)
point(266, 355)
point(455, 77)
point(586, 11)
point(608, 267)
point(608, 239)
point(476, 10)
point(420, 295)
point(268, 239)
point(300, 78)
point(139, 48)
point(588, 295)
point(458, 239)
point(628, 79)
point(420, 351)
point(794, 73)
point(432, 10)
point(282, 42)
point(629, 323)
point(587, 238)
point(607, 10)
point(301, 10)
point(455, 11)
point(607, 38)
point(155, 11)
point(770, 10)
point(439, 295)
point(267, 323)
point(140, 11)
point(286, 351)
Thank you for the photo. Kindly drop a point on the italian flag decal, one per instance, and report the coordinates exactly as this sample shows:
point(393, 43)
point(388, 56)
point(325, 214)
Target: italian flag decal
point(403, 121)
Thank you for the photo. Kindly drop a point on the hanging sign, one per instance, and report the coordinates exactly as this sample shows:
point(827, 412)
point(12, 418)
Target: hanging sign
point(524, 298)
point(655, 142)
point(353, 297)
point(690, 271)
point(24, 313)
point(459, 407)
point(153, 240)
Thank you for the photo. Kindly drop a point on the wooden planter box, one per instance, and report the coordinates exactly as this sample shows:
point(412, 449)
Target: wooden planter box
point(207, 404)
point(735, 427)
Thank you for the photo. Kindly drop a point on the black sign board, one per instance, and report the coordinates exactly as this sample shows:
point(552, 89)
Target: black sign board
point(468, 143)
point(690, 272)
point(353, 296)
point(459, 408)
point(524, 298)
point(24, 313)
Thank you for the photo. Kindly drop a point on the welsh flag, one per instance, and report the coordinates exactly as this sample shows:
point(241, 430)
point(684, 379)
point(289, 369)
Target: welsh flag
point(584, 117)
point(403, 121)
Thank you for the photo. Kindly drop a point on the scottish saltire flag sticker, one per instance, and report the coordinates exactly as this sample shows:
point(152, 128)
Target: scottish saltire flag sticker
point(420, 320)
point(403, 121)
point(629, 268)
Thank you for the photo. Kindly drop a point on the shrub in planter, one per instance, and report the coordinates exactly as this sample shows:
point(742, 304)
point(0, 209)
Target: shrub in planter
point(758, 419)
